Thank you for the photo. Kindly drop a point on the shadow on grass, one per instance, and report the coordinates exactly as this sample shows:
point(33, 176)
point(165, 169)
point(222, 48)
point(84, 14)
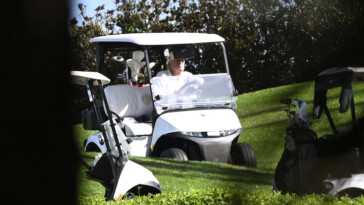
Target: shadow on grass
point(275, 124)
point(277, 106)
point(217, 172)
point(274, 108)
point(274, 99)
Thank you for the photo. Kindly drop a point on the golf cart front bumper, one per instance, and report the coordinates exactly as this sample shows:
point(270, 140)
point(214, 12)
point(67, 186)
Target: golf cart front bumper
point(201, 148)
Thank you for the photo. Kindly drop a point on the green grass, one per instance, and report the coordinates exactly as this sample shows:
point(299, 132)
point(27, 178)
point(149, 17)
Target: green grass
point(176, 175)
point(264, 123)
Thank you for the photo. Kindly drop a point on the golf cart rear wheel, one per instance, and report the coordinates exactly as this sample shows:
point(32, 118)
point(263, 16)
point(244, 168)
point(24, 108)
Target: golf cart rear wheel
point(174, 153)
point(243, 154)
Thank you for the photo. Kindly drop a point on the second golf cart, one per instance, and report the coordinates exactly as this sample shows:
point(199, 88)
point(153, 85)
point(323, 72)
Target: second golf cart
point(188, 117)
point(121, 177)
point(332, 164)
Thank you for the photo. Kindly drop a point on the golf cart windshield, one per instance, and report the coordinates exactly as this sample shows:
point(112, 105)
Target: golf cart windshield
point(198, 91)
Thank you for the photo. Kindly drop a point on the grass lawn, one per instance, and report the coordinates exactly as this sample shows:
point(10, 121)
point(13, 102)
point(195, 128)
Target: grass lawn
point(264, 123)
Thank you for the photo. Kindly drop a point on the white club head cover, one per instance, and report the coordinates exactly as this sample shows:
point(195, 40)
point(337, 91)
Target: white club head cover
point(134, 67)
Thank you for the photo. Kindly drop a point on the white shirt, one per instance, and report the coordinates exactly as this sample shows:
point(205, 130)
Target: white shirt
point(168, 73)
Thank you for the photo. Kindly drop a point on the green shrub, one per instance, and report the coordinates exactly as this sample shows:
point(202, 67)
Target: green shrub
point(221, 196)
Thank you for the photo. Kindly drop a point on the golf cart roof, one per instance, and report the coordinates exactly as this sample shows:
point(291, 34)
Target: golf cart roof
point(82, 77)
point(154, 39)
point(338, 76)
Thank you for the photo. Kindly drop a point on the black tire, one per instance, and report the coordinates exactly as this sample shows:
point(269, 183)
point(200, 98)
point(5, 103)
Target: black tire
point(243, 154)
point(351, 192)
point(174, 153)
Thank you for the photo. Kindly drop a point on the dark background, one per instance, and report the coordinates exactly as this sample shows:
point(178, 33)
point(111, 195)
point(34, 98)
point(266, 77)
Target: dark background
point(39, 157)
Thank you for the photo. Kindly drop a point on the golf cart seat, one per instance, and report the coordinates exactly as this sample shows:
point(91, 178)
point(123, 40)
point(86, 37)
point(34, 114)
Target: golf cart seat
point(133, 105)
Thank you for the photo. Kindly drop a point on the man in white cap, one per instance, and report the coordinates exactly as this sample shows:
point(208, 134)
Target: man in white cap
point(176, 67)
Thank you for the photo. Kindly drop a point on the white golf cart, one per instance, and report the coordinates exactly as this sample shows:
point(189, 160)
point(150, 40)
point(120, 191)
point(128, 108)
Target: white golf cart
point(344, 148)
point(188, 117)
point(119, 176)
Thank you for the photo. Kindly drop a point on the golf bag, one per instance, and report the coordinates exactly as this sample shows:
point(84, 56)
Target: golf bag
point(297, 170)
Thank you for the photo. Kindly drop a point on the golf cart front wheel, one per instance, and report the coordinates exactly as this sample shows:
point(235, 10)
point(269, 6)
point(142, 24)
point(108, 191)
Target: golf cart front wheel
point(243, 154)
point(174, 153)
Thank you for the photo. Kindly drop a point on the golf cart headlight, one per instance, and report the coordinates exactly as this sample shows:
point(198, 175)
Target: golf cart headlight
point(211, 133)
point(326, 187)
point(229, 132)
point(193, 134)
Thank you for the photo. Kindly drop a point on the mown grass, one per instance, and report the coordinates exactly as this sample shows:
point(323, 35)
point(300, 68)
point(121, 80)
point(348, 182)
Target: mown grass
point(264, 123)
point(176, 175)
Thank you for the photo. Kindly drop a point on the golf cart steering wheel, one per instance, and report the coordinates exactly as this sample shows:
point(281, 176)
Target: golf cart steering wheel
point(189, 88)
